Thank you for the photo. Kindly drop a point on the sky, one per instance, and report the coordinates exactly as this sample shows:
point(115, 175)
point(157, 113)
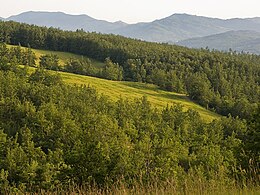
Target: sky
point(133, 11)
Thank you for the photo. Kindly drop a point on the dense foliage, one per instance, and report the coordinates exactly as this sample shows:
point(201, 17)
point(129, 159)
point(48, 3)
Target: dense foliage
point(49, 62)
point(55, 135)
point(224, 82)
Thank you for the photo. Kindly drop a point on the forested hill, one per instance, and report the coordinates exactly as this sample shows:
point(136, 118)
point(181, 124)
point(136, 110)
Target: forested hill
point(225, 82)
point(179, 27)
point(172, 29)
point(246, 41)
point(57, 138)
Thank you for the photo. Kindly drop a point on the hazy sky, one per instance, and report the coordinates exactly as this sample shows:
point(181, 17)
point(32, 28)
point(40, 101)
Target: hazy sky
point(133, 11)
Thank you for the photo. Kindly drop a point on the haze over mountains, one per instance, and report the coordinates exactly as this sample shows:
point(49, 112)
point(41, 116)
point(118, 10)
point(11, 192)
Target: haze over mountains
point(178, 28)
point(243, 40)
point(66, 21)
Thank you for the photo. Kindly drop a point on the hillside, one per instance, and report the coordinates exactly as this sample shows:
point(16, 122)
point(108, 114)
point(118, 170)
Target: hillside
point(134, 90)
point(115, 90)
point(247, 41)
point(57, 138)
point(67, 133)
point(174, 28)
point(128, 90)
point(170, 29)
point(224, 82)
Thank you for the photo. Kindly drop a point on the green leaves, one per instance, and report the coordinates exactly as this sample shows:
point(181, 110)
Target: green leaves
point(112, 71)
point(49, 62)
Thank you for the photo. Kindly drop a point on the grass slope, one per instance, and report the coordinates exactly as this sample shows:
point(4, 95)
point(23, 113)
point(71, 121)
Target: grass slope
point(114, 90)
point(132, 90)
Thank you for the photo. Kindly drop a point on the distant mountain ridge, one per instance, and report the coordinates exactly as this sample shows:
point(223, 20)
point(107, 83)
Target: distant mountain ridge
point(66, 21)
point(173, 29)
point(243, 40)
point(170, 29)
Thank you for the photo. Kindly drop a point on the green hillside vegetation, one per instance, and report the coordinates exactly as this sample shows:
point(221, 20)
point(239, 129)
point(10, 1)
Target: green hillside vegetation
point(133, 90)
point(59, 134)
point(122, 89)
point(65, 56)
point(226, 82)
point(58, 138)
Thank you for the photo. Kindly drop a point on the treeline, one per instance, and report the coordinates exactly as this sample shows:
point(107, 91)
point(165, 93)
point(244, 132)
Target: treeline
point(53, 135)
point(17, 55)
point(225, 82)
point(111, 71)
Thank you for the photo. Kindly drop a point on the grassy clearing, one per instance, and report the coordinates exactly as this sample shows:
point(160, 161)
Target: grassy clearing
point(132, 90)
point(115, 90)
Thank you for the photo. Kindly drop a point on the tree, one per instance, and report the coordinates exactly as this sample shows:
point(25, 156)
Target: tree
point(49, 61)
point(252, 141)
point(29, 57)
point(199, 89)
point(83, 67)
point(43, 77)
point(112, 71)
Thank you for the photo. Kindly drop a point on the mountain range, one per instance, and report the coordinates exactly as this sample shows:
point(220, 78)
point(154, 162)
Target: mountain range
point(183, 29)
point(66, 21)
